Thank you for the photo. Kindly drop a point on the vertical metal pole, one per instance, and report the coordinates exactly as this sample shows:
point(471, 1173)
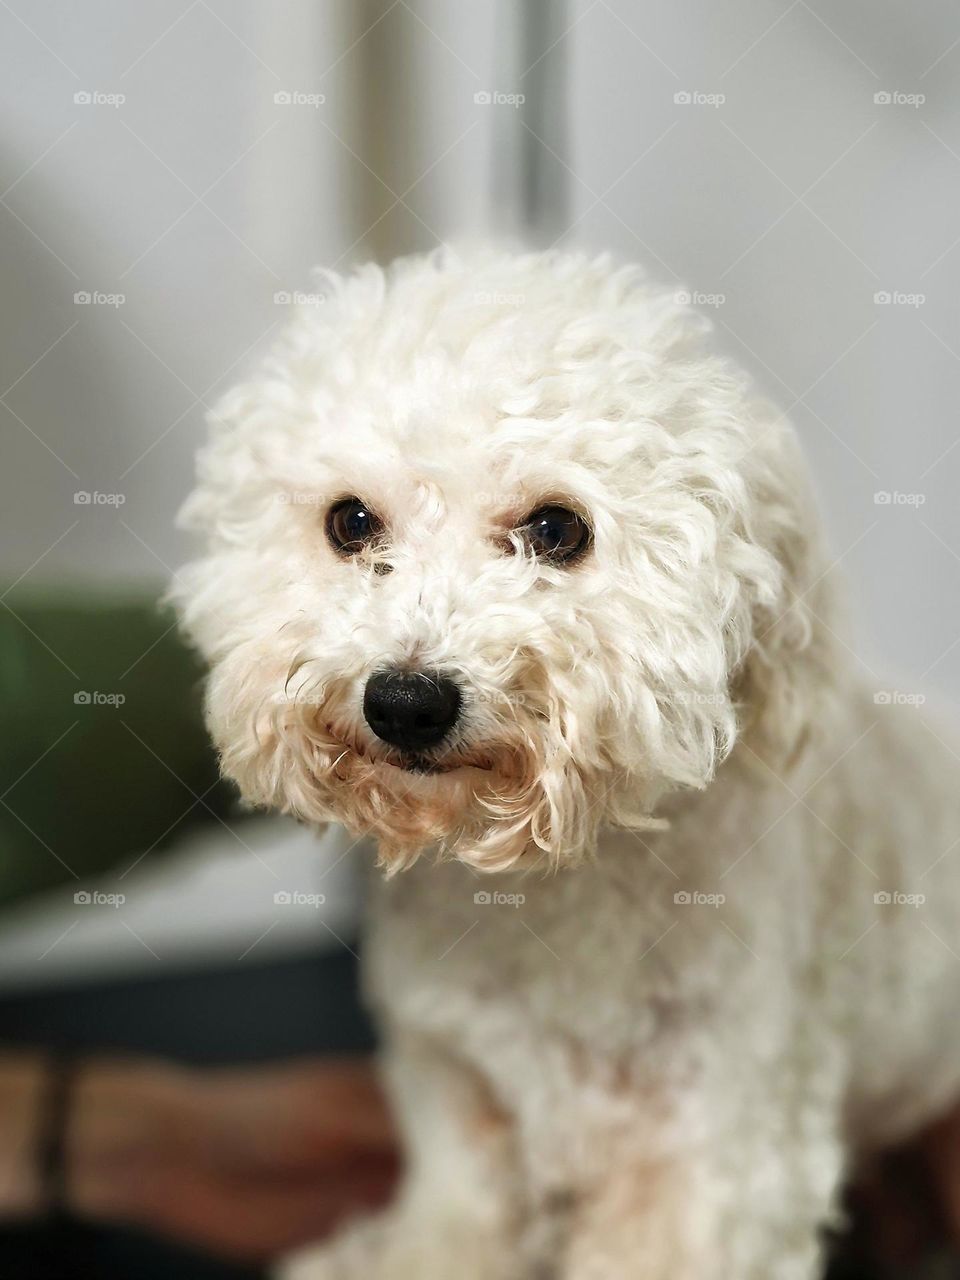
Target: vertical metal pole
point(530, 145)
point(385, 113)
point(528, 198)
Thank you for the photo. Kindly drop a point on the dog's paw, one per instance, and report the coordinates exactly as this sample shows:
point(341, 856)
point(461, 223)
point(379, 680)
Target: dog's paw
point(353, 1254)
point(316, 1263)
point(374, 1251)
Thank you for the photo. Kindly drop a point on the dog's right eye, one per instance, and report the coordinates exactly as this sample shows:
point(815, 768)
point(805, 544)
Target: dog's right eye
point(351, 525)
point(555, 533)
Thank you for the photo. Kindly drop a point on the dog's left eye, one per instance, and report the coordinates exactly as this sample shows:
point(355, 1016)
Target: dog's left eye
point(351, 525)
point(555, 533)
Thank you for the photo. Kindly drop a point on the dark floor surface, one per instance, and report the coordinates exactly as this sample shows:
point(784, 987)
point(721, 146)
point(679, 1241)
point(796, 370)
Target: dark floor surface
point(238, 1015)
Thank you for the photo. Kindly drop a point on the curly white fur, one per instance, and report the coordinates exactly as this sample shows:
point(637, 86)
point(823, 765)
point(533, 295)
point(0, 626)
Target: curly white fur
point(651, 1040)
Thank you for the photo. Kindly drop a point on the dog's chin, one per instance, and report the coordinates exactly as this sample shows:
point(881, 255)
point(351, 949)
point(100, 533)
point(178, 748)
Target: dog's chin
point(448, 800)
point(409, 805)
point(480, 802)
point(434, 784)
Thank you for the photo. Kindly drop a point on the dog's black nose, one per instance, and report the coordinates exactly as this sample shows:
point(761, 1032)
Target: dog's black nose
point(413, 710)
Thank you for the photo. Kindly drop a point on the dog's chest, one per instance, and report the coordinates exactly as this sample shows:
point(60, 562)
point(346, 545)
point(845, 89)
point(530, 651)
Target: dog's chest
point(610, 955)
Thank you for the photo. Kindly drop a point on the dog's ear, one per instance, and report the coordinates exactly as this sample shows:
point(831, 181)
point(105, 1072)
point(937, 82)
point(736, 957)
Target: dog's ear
point(785, 682)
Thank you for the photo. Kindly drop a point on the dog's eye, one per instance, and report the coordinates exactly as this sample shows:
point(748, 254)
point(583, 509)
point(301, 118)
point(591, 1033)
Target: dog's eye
point(351, 525)
point(555, 533)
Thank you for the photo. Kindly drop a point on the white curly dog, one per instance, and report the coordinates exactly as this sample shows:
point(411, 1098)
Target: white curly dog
point(505, 570)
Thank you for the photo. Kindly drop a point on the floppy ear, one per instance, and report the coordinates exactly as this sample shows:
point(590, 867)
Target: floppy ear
point(786, 681)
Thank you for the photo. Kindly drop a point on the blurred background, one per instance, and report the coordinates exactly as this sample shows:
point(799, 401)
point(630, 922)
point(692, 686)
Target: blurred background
point(170, 173)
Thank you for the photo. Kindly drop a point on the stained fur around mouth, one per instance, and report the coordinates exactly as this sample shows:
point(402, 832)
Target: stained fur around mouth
point(431, 768)
point(417, 764)
point(411, 762)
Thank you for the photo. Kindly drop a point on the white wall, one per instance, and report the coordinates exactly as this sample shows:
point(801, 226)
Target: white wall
point(198, 198)
point(797, 199)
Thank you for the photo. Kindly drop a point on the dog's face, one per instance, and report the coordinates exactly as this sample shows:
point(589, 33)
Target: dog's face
point(495, 556)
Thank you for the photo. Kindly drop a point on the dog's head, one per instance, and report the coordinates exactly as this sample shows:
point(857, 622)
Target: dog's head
point(498, 554)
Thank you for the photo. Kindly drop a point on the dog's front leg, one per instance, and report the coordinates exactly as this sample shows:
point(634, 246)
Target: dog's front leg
point(750, 1201)
point(458, 1212)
